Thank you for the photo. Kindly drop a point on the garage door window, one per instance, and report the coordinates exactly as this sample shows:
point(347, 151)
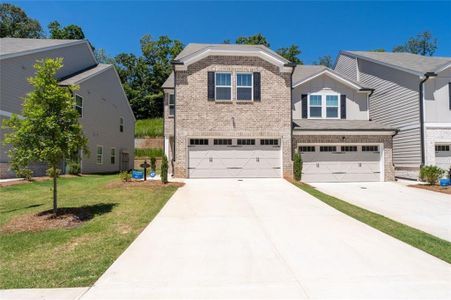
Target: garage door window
point(198, 141)
point(370, 148)
point(303, 149)
point(442, 148)
point(245, 142)
point(348, 148)
point(328, 149)
point(273, 142)
point(222, 141)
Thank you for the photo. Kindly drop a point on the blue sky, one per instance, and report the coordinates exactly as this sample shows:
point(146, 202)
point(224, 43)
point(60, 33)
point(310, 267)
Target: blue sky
point(319, 28)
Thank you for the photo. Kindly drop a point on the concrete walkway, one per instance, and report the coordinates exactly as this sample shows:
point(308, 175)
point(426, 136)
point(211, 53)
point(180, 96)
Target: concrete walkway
point(425, 210)
point(265, 238)
point(44, 294)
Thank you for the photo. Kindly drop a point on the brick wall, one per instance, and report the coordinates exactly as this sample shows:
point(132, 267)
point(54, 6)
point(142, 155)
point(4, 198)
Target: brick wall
point(433, 136)
point(198, 117)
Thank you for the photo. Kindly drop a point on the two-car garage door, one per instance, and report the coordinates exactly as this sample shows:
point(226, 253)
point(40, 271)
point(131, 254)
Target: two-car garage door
point(341, 163)
point(234, 158)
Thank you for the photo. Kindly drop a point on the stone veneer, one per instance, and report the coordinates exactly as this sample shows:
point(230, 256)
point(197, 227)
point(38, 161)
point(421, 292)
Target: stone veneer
point(198, 117)
point(435, 136)
point(386, 140)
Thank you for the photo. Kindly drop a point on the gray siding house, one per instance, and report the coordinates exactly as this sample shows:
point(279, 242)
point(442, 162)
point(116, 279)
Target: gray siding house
point(411, 93)
point(243, 111)
point(106, 116)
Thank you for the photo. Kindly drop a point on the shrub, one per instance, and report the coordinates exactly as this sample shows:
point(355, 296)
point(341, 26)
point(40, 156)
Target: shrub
point(297, 166)
point(125, 176)
point(74, 168)
point(164, 169)
point(153, 164)
point(50, 173)
point(25, 174)
point(431, 174)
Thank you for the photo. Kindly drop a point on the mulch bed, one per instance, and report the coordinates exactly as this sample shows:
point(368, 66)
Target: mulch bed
point(66, 218)
point(141, 183)
point(435, 188)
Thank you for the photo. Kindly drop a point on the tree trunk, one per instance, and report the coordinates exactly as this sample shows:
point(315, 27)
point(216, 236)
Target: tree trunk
point(55, 200)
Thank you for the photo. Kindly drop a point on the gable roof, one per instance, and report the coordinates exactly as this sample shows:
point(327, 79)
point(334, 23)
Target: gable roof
point(10, 47)
point(169, 83)
point(85, 74)
point(304, 73)
point(408, 62)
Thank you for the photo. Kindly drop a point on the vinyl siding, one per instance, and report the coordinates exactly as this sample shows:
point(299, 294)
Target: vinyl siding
point(347, 66)
point(436, 95)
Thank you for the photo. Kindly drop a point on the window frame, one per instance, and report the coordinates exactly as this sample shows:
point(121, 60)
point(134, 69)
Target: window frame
point(245, 142)
point(269, 142)
point(442, 148)
point(367, 148)
point(224, 86)
point(348, 148)
point(171, 105)
point(101, 155)
point(324, 106)
point(251, 86)
point(328, 148)
point(113, 156)
point(198, 142)
point(222, 142)
point(77, 107)
point(121, 124)
point(309, 147)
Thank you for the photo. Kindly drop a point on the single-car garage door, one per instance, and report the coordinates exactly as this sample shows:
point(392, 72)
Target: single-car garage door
point(341, 163)
point(443, 156)
point(234, 158)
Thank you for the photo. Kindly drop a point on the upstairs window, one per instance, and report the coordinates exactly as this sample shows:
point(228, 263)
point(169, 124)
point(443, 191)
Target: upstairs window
point(324, 106)
point(113, 156)
point(244, 83)
point(121, 124)
point(331, 106)
point(223, 86)
point(99, 155)
point(79, 104)
point(171, 105)
point(315, 106)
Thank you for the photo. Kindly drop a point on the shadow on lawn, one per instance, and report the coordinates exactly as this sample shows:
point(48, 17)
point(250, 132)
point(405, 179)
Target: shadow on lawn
point(21, 208)
point(83, 213)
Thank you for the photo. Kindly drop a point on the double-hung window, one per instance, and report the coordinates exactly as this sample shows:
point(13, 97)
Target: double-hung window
point(113, 156)
point(171, 105)
point(99, 157)
point(79, 104)
point(244, 84)
point(121, 124)
point(223, 86)
point(315, 106)
point(332, 106)
point(324, 106)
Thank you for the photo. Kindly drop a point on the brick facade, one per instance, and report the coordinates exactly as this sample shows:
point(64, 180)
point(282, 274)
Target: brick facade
point(198, 117)
point(386, 140)
point(433, 136)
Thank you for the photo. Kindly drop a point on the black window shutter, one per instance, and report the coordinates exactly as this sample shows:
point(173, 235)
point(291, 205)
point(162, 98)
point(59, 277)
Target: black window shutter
point(449, 94)
point(304, 106)
point(257, 86)
point(343, 106)
point(211, 86)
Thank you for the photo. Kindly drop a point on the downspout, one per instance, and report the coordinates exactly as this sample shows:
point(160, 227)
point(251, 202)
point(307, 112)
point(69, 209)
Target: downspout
point(293, 66)
point(174, 63)
point(421, 96)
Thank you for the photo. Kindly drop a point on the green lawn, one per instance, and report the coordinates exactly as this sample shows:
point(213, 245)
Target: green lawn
point(77, 256)
point(149, 127)
point(414, 237)
point(148, 152)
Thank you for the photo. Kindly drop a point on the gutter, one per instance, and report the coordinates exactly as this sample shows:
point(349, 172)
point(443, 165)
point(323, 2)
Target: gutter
point(368, 90)
point(421, 96)
point(293, 66)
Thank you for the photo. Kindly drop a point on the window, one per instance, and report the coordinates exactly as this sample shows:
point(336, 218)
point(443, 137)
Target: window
point(303, 149)
point(223, 86)
point(222, 141)
point(442, 148)
point(331, 106)
point(328, 149)
point(99, 158)
point(198, 141)
point(171, 105)
point(370, 148)
point(79, 104)
point(121, 124)
point(273, 142)
point(113, 156)
point(244, 86)
point(348, 148)
point(245, 142)
point(315, 106)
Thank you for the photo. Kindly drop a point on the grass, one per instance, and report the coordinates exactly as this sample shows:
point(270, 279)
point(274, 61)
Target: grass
point(414, 237)
point(149, 152)
point(149, 128)
point(77, 256)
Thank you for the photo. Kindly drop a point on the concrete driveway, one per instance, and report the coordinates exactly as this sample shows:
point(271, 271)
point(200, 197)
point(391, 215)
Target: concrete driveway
point(265, 238)
point(425, 210)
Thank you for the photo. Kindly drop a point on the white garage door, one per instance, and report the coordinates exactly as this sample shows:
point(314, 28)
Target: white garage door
point(341, 163)
point(234, 158)
point(443, 156)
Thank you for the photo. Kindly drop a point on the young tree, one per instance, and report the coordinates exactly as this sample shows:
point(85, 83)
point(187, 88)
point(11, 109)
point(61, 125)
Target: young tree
point(291, 53)
point(15, 23)
point(326, 61)
point(50, 130)
point(423, 44)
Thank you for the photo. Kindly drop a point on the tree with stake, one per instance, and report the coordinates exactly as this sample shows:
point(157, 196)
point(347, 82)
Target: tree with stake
point(50, 130)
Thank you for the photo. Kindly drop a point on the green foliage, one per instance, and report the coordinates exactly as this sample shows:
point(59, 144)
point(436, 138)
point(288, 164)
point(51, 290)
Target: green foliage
point(153, 163)
point(25, 173)
point(149, 127)
point(50, 130)
point(256, 39)
point(69, 32)
point(431, 174)
point(53, 172)
point(125, 176)
point(378, 50)
point(148, 152)
point(74, 168)
point(291, 53)
point(164, 170)
point(15, 23)
point(326, 61)
point(422, 44)
point(297, 166)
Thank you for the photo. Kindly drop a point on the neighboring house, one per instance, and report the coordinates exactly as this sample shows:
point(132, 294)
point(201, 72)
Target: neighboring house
point(105, 114)
point(412, 93)
point(242, 111)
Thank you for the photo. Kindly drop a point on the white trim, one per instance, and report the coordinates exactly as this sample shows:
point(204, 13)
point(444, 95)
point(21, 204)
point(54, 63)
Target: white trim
point(97, 154)
point(224, 86)
point(169, 104)
point(251, 86)
point(331, 74)
point(343, 132)
point(9, 114)
point(324, 95)
point(47, 48)
point(437, 125)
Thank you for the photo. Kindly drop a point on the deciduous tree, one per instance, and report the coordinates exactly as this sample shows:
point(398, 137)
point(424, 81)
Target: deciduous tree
point(326, 61)
point(422, 44)
point(15, 23)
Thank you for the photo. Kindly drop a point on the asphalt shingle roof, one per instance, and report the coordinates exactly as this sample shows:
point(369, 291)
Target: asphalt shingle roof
point(339, 125)
point(15, 45)
point(303, 72)
point(169, 83)
point(74, 79)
